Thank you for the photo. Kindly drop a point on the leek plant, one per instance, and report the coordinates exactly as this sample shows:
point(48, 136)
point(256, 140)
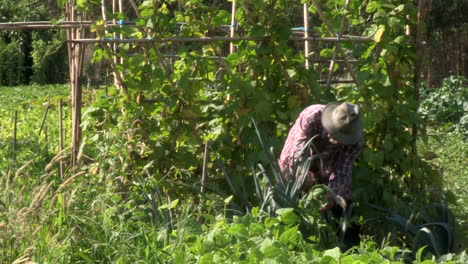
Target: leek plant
point(431, 227)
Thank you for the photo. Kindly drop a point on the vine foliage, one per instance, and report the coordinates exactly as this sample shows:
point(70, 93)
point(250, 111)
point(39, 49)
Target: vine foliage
point(184, 94)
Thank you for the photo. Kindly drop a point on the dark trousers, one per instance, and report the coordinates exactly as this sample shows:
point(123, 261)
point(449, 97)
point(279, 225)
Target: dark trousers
point(338, 211)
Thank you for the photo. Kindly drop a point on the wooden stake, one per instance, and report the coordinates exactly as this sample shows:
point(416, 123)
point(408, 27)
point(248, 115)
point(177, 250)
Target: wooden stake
point(205, 168)
point(44, 117)
point(15, 131)
point(306, 35)
point(60, 126)
point(46, 138)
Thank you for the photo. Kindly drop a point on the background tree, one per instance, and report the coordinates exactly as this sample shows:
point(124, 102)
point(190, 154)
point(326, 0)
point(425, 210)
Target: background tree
point(31, 55)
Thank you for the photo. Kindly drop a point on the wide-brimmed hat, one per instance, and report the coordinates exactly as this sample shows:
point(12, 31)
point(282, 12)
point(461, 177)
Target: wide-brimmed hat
point(342, 122)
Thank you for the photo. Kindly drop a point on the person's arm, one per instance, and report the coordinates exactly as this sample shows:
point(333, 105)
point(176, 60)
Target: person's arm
point(340, 179)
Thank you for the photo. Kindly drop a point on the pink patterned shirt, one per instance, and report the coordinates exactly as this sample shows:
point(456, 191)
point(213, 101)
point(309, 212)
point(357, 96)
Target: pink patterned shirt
point(337, 160)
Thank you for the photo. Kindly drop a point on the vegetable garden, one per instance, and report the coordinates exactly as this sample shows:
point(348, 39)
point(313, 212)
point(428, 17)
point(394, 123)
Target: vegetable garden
point(176, 161)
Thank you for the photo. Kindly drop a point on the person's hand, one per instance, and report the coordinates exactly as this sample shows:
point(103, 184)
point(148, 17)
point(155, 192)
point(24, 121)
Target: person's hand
point(331, 203)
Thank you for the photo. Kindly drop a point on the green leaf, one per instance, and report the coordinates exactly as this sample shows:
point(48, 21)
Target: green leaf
point(394, 22)
point(363, 76)
point(347, 260)
point(116, 198)
point(399, 8)
point(372, 6)
point(172, 205)
point(98, 55)
point(179, 257)
point(233, 59)
point(335, 253)
point(374, 157)
point(206, 259)
point(328, 260)
point(272, 251)
point(451, 197)
point(228, 200)
point(84, 257)
point(254, 211)
point(388, 145)
point(326, 53)
point(290, 236)
point(81, 3)
point(238, 230)
point(222, 18)
point(379, 33)
point(288, 216)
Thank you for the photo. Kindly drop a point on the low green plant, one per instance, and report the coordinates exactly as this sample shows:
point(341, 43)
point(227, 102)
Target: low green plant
point(448, 153)
point(445, 108)
point(431, 225)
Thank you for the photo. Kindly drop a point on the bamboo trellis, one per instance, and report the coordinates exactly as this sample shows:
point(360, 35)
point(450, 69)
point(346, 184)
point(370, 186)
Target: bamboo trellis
point(75, 59)
point(76, 24)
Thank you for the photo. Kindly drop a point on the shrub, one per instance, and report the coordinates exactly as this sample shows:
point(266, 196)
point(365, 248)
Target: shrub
point(445, 108)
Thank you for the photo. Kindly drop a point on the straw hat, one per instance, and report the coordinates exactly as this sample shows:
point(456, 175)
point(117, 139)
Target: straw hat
point(342, 122)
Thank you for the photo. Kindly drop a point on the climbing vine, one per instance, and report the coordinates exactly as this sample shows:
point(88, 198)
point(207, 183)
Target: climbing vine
point(184, 94)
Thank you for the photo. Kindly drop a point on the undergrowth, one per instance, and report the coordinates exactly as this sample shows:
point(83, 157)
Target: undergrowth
point(99, 213)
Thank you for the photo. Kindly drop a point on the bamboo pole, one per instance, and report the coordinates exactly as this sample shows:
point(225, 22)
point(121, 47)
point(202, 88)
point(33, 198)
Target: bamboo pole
point(335, 81)
point(40, 27)
point(233, 26)
point(121, 35)
point(104, 15)
point(328, 60)
point(44, 22)
point(70, 47)
point(231, 35)
point(306, 35)
point(218, 57)
point(335, 52)
point(50, 25)
point(76, 57)
point(332, 32)
point(114, 34)
point(407, 27)
point(213, 39)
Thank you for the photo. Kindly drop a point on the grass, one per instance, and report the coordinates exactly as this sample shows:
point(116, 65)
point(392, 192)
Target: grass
point(449, 153)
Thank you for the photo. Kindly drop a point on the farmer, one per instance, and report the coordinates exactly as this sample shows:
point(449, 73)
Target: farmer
point(338, 138)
